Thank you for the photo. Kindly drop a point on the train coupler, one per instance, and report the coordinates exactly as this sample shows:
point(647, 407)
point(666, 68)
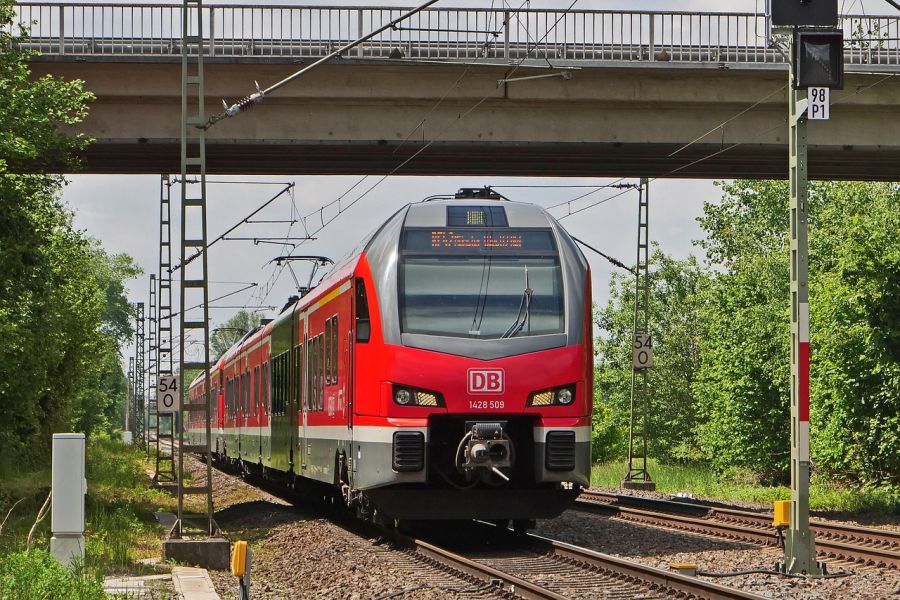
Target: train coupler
point(485, 452)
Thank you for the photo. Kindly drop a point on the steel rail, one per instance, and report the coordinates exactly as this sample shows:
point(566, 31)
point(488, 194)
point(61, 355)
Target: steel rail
point(513, 584)
point(691, 586)
point(856, 544)
point(510, 585)
point(633, 572)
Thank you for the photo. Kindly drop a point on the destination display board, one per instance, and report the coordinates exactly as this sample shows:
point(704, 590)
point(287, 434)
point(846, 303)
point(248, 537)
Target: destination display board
point(478, 241)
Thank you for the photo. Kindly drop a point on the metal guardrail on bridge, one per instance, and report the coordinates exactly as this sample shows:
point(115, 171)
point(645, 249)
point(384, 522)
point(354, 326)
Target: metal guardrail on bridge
point(572, 37)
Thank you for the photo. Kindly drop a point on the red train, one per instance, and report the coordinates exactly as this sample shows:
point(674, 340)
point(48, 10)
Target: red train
point(442, 371)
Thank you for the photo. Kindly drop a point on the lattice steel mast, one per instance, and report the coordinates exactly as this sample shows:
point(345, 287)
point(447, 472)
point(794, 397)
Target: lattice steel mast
point(151, 367)
point(194, 284)
point(638, 476)
point(139, 422)
point(130, 410)
point(164, 471)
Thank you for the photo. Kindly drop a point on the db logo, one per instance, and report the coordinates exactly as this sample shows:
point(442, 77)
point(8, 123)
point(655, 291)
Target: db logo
point(485, 381)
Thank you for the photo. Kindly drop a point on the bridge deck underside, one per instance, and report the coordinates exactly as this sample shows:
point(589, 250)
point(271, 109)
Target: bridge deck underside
point(524, 160)
point(357, 117)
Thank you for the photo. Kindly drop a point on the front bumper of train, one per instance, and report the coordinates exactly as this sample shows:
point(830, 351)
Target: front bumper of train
point(403, 449)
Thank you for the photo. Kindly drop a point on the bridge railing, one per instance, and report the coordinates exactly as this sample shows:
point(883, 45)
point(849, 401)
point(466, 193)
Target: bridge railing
point(91, 29)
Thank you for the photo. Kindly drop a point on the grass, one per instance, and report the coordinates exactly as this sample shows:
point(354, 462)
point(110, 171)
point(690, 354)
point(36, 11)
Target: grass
point(120, 526)
point(703, 482)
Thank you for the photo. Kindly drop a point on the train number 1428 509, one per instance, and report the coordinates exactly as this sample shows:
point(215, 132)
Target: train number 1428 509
point(486, 404)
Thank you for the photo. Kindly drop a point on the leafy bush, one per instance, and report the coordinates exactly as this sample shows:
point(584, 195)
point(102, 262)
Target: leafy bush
point(36, 575)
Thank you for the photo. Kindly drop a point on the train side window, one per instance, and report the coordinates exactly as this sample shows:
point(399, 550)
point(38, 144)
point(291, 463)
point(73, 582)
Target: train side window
point(363, 324)
point(298, 373)
point(309, 378)
point(329, 366)
point(321, 376)
point(313, 353)
point(326, 350)
point(335, 345)
point(276, 386)
point(265, 384)
point(279, 390)
point(320, 344)
point(254, 388)
point(285, 384)
point(316, 367)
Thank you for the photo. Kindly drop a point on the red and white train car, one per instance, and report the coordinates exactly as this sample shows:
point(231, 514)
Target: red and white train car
point(443, 370)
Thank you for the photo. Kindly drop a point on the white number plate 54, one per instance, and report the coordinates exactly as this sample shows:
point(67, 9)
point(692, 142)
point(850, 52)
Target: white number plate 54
point(486, 404)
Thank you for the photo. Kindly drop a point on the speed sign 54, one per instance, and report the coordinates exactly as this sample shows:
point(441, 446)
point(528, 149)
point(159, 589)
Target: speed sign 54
point(642, 351)
point(168, 400)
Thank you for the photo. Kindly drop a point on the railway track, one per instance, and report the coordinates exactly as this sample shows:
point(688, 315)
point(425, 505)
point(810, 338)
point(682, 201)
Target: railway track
point(530, 566)
point(534, 567)
point(869, 546)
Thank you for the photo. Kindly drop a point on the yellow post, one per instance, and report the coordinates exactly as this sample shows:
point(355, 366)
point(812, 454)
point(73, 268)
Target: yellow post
point(239, 559)
point(240, 567)
point(782, 514)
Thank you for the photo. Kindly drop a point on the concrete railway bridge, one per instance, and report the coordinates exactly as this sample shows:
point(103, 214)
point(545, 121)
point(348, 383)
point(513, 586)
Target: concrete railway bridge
point(616, 93)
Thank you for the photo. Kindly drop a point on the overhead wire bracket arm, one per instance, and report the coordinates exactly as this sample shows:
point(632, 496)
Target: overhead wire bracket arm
point(259, 94)
point(188, 260)
point(610, 259)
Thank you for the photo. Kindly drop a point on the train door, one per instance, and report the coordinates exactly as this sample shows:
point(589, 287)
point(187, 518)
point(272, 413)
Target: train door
point(242, 408)
point(302, 391)
point(360, 330)
point(292, 410)
point(256, 386)
point(267, 408)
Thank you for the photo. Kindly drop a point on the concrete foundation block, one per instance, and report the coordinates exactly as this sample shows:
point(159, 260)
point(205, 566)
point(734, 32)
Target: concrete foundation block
point(67, 548)
point(646, 486)
point(212, 553)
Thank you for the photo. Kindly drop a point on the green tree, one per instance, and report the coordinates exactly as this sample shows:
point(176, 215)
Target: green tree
point(742, 385)
point(674, 311)
point(855, 335)
point(34, 112)
point(231, 331)
point(58, 299)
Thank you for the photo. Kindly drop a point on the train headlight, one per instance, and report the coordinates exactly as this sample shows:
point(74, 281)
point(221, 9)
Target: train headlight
point(426, 398)
point(544, 398)
point(561, 396)
point(403, 396)
point(407, 396)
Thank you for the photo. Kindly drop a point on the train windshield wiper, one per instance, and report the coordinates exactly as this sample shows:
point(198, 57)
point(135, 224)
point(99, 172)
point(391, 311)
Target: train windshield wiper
point(524, 311)
point(481, 301)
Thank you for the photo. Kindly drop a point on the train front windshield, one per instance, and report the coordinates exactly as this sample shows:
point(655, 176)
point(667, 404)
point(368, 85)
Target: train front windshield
point(480, 283)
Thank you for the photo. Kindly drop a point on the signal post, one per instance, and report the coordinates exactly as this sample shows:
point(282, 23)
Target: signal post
point(816, 67)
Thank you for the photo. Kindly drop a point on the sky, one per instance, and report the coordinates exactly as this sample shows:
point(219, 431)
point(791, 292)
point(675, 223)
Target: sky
point(123, 211)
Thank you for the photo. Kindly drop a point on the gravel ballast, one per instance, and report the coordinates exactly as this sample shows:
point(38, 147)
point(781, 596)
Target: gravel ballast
point(660, 547)
point(299, 554)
